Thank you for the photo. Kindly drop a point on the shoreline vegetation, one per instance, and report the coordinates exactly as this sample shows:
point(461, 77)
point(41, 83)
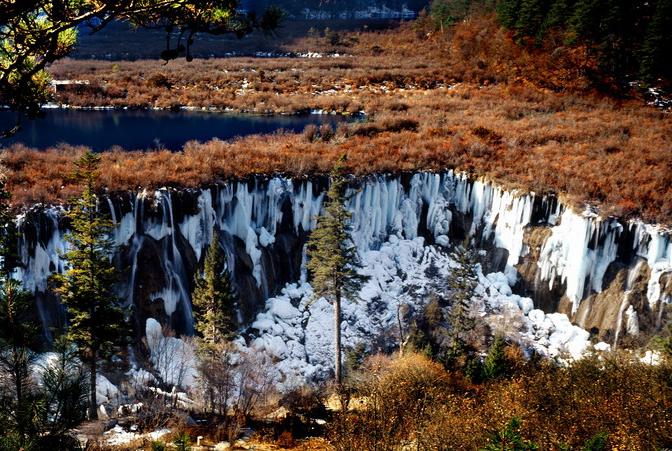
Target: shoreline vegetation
point(463, 101)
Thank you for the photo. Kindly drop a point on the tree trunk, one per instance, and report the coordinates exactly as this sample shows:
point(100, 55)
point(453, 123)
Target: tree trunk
point(93, 402)
point(337, 337)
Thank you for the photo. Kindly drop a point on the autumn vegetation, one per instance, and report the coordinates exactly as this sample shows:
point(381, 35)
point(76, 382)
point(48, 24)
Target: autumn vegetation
point(470, 99)
point(607, 401)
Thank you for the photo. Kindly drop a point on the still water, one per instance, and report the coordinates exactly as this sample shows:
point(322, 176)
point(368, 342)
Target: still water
point(147, 129)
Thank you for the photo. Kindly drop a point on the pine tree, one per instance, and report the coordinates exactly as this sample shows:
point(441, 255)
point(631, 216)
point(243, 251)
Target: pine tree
point(657, 47)
point(333, 256)
point(214, 298)
point(97, 322)
point(462, 282)
point(8, 233)
point(64, 398)
point(496, 364)
point(508, 11)
point(18, 406)
point(509, 439)
point(17, 332)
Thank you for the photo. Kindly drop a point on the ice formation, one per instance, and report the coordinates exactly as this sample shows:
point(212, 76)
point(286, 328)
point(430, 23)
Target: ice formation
point(438, 207)
point(298, 331)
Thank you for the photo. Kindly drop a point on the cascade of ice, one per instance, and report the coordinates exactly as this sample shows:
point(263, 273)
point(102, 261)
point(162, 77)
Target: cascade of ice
point(657, 249)
point(197, 229)
point(577, 254)
point(633, 272)
point(580, 247)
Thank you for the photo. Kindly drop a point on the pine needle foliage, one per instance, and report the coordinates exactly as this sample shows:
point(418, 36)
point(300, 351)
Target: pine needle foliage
point(462, 282)
point(495, 365)
point(333, 256)
point(214, 298)
point(18, 407)
point(509, 439)
point(97, 322)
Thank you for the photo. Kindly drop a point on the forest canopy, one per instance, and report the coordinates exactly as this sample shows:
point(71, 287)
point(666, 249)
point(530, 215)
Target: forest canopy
point(620, 39)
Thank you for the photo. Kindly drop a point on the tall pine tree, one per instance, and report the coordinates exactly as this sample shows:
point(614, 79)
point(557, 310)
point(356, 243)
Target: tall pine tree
point(462, 282)
point(214, 298)
point(333, 257)
point(97, 322)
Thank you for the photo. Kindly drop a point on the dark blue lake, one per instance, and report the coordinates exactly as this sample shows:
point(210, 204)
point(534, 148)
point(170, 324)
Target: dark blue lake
point(148, 129)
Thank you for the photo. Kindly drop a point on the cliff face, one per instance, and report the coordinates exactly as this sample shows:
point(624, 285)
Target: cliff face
point(609, 277)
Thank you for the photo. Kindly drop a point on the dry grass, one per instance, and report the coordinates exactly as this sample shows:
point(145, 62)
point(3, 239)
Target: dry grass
point(426, 110)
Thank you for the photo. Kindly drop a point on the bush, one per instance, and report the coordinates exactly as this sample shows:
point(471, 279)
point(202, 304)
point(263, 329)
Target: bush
point(159, 80)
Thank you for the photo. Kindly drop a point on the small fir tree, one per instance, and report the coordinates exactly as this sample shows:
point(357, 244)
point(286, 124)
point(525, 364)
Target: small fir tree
point(333, 257)
point(182, 442)
point(97, 322)
point(8, 233)
point(214, 298)
point(496, 364)
point(509, 439)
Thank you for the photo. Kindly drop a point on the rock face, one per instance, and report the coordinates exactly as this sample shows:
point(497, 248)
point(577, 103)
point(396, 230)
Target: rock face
point(609, 277)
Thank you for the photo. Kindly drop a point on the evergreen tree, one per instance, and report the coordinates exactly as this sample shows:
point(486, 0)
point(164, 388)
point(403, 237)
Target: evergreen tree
point(214, 298)
point(8, 233)
point(462, 282)
point(657, 48)
point(532, 17)
point(35, 416)
point(495, 365)
point(19, 408)
point(97, 322)
point(182, 442)
point(509, 439)
point(333, 256)
point(597, 442)
point(428, 332)
point(64, 399)
point(508, 11)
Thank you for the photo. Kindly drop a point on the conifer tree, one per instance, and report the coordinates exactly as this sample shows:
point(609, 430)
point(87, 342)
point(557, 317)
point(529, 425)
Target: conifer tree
point(32, 416)
point(333, 257)
point(97, 322)
point(657, 46)
point(496, 364)
point(462, 282)
point(509, 439)
point(18, 406)
point(17, 333)
point(214, 298)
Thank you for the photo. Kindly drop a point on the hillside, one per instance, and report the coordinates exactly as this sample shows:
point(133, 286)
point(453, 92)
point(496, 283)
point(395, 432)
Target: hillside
point(453, 233)
point(428, 104)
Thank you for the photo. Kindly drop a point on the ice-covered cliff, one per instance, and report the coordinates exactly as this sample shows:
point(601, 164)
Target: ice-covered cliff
point(608, 276)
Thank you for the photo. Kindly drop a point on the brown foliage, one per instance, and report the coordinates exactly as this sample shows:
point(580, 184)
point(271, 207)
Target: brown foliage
point(415, 402)
point(463, 100)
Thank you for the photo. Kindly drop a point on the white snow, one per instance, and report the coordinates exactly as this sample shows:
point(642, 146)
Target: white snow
point(119, 436)
point(300, 339)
